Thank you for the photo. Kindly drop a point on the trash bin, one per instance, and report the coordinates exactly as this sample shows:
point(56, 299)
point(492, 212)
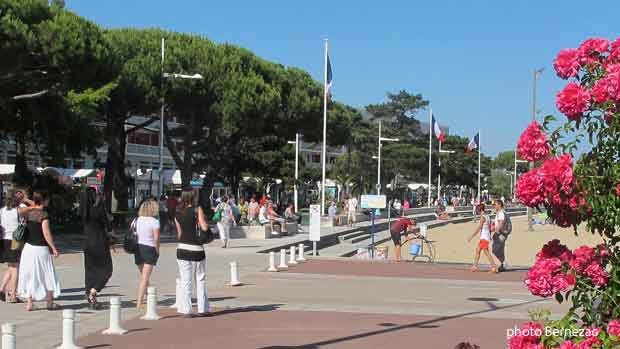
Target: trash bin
point(305, 217)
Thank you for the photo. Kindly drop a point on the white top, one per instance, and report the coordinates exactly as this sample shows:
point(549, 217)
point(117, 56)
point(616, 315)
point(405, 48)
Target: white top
point(331, 211)
point(485, 232)
point(352, 204)
point(144, 230)
point(397, 205)
point(499, 216)
point(262, 215)
point(9, 221)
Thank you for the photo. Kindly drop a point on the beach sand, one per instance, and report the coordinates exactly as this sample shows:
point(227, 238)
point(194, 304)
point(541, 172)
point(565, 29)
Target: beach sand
point(521, 247)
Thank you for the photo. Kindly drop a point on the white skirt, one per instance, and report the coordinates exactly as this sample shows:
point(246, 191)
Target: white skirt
point(37, 274)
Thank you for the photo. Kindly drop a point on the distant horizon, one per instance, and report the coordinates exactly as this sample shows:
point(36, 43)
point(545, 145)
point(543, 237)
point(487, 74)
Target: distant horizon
point(473, 62)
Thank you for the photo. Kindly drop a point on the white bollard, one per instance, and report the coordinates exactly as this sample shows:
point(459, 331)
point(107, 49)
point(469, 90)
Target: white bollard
point(291, 260)
point(151, 305)
point(8, 336)
point(272, 262)
point(282, 259)
point(234, 274)
point(177, 295)
point(115, 317)
point(68, 330)
point(301, 257)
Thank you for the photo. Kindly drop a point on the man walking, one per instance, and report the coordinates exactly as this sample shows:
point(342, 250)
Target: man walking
point(501, 230)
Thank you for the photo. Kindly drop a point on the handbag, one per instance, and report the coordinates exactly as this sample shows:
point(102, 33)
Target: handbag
point(130, 243)
point(22, 228)
point(217, 216)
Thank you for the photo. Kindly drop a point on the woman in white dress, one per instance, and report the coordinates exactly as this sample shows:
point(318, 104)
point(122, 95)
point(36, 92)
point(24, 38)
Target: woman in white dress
point(37, 275)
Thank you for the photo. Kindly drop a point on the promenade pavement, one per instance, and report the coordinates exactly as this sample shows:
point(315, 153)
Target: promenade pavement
point(324, 303)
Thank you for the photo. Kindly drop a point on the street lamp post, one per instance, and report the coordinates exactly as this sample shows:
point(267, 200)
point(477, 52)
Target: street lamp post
point(160, 184)
point(296, 142)
point(439, 175)
point(537, 73)
point(514, 188)
point(511, 186)
point(381, 139)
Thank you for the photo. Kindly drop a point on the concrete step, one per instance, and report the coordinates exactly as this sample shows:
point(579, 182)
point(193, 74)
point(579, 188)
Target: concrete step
point(358, 239)
point(349, 236)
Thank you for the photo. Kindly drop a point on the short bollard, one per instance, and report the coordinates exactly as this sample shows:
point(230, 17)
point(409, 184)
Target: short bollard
point(292, 261)
point(177, 294)
point(272, 262)
point(115, 317)
point(151, 305)
point(234, 274)
point(301, 257)
point(68, 330)
point(282, 259)
point(8, 336)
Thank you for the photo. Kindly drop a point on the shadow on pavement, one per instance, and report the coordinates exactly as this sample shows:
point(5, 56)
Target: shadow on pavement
point(267, 307)
point(421, 324)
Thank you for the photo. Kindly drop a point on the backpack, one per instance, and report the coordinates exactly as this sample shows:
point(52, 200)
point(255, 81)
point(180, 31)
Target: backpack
point(507, 228)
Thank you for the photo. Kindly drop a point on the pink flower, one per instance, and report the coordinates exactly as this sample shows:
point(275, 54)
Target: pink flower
point(557, 177)
point(613, 328)
point(590, 50)
point(568, 345)
point(566, 64)
point(617, 190)
point(607, 89)
point(533, 144)
point(573, 101)
point(528, 337)
point(530, 188)
point(598, 275)
point(583, 257)
point(545, 278)
point(614, 54)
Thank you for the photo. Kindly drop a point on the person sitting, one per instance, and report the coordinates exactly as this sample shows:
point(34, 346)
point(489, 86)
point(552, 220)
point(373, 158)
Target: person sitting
point(290, 215)
point(441, 213)
point(450, 208)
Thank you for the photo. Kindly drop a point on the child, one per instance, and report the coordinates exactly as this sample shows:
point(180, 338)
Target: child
point(483, 244)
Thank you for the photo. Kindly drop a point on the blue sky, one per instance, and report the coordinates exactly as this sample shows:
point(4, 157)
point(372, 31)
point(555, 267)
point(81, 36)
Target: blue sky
point(472, 60)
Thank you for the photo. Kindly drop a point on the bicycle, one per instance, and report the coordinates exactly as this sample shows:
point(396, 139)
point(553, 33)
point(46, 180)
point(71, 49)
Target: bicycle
point(432, 251)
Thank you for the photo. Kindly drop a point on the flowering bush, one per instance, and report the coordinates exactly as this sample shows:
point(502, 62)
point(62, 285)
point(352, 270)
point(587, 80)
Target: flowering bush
point(574, 191)
point(533, 144)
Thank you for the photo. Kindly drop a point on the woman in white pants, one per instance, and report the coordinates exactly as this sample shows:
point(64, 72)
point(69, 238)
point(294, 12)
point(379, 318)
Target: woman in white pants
point(226, 221)
point(191, 256)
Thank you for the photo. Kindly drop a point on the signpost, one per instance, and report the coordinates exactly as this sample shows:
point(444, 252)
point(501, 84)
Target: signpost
point(374, 203)
point(315, 226)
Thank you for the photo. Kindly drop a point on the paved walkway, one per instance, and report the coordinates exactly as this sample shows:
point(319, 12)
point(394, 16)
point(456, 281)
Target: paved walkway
point(324, 303)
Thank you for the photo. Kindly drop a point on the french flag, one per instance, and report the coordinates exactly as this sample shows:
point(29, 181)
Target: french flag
point(437, 130)
point(474, 143)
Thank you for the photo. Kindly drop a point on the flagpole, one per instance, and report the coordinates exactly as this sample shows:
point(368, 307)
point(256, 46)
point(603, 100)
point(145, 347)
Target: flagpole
point(430, 149)
point(479, 146)
point(439, 174)
point(323, 155)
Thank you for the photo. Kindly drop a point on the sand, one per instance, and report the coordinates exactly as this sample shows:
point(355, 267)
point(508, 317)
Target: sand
point(521, 247)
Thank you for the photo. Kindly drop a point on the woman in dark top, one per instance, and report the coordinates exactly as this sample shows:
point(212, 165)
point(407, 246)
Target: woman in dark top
point(37, 275)
point(97, 258)
point(191, 255)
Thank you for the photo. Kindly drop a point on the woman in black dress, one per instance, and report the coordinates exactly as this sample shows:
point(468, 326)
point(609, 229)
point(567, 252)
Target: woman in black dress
point(97, 258)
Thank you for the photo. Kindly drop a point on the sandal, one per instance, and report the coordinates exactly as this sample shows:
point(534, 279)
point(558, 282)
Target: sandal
point(493, 270)
point(54, 307)
point(473, 269)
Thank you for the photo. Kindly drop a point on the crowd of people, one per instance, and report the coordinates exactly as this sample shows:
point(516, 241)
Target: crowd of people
point(28, 247)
